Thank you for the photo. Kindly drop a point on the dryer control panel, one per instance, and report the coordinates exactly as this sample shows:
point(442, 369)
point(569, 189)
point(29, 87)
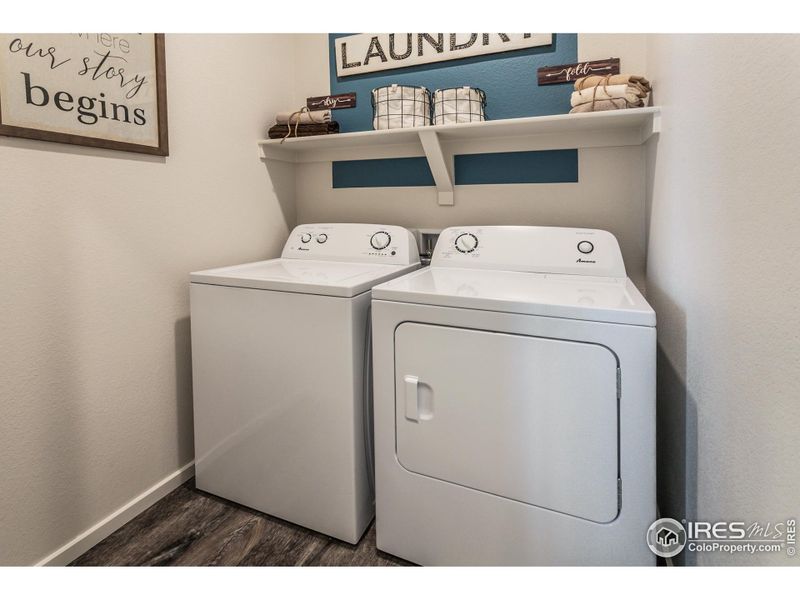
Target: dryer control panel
point(530, 249)
point(352, 242)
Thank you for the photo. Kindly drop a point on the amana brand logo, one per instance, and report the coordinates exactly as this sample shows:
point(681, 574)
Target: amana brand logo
point(580, 260)
point(666, 537)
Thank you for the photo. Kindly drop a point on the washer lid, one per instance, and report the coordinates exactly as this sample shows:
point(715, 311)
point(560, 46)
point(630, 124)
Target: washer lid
point(324, 277)
point(605, 299)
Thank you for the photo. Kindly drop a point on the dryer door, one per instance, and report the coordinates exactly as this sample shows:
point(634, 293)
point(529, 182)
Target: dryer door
point(526, 418)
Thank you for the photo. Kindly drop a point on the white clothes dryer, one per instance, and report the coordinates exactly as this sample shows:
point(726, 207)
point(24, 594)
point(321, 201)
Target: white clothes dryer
point(515, 403)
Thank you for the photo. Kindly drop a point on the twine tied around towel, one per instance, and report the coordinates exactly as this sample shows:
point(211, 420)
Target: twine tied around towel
point(604, 82)
point(298, 114)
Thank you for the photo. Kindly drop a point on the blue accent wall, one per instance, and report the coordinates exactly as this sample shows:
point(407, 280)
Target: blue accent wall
point(382, 172)
point(509, 80)
point(544, 166)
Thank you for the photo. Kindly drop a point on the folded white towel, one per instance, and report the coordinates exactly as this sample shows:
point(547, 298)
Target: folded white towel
point(600, 92)
point(314, 116)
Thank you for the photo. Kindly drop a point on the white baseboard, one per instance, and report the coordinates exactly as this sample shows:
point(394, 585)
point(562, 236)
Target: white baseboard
point(99, 531)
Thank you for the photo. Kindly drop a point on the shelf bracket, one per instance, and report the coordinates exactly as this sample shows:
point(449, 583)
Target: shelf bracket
point(651, 126)
point(442, 175)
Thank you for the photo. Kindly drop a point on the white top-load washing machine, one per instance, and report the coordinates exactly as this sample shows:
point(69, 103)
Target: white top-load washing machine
point(515, 403)
point(278, 365)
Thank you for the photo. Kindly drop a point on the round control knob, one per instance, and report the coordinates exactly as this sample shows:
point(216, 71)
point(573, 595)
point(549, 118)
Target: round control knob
point(305, 238)
point(322, 238)
point(380, 240)
point(466, 243)
point(585, 247)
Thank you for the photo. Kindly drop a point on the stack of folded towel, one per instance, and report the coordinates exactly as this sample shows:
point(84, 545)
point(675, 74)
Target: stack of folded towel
point(302, 124)
point(609, 92)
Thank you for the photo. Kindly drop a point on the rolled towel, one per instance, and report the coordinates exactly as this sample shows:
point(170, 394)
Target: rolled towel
point(605, 92)
point(636, 81)
point(601, 105)
point(306, 117)
point(281, 131)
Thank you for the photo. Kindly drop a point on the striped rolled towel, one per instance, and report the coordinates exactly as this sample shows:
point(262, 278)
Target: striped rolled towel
point(305, 117)
point(601, 105)
point(641, 84)
point(606, 92)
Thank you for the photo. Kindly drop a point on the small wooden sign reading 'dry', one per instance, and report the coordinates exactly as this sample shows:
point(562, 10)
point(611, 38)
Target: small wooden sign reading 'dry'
point(571, 72)
point(347, 100)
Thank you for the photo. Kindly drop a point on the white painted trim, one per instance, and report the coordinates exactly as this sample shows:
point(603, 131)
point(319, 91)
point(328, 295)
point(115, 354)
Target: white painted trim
point(102, 529)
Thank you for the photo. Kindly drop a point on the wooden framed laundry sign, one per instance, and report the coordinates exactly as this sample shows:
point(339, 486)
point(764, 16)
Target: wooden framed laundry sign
point(370, 52)
point(106, 90)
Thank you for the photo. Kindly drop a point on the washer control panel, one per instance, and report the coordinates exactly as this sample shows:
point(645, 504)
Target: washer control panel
point(380, 240)
point(531, 249)
point(352, 242)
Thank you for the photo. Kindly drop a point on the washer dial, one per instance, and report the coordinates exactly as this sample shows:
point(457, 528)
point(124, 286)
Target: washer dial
point(585, 247)
point(466, 243)
point(305, 238)
point(322, 238)
point(380, 240)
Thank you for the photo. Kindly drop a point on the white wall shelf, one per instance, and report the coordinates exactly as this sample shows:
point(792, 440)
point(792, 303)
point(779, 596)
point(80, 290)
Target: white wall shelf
point(439, 143)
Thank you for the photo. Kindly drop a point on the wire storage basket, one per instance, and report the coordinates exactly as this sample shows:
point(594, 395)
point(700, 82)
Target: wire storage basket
point(397, 106)
point(459, 105)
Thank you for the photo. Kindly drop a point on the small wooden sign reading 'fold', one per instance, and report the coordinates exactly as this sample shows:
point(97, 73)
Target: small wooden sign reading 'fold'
point(573, 71)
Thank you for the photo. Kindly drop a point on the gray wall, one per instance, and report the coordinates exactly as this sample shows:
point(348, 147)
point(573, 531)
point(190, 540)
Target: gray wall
point(724, 278)
point(95, 251)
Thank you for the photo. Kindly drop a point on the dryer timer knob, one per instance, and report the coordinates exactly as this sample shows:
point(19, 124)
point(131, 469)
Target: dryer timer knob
point(466, 243)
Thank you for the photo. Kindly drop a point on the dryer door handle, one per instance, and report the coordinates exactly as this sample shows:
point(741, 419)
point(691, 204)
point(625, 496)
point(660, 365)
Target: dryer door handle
point(412, 397)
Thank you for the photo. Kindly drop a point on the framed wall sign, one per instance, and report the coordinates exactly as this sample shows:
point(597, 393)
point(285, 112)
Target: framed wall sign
point(370, 52)
point(106, 90)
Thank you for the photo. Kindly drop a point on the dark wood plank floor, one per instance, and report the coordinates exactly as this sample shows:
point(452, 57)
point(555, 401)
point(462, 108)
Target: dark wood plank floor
point(190, 527)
